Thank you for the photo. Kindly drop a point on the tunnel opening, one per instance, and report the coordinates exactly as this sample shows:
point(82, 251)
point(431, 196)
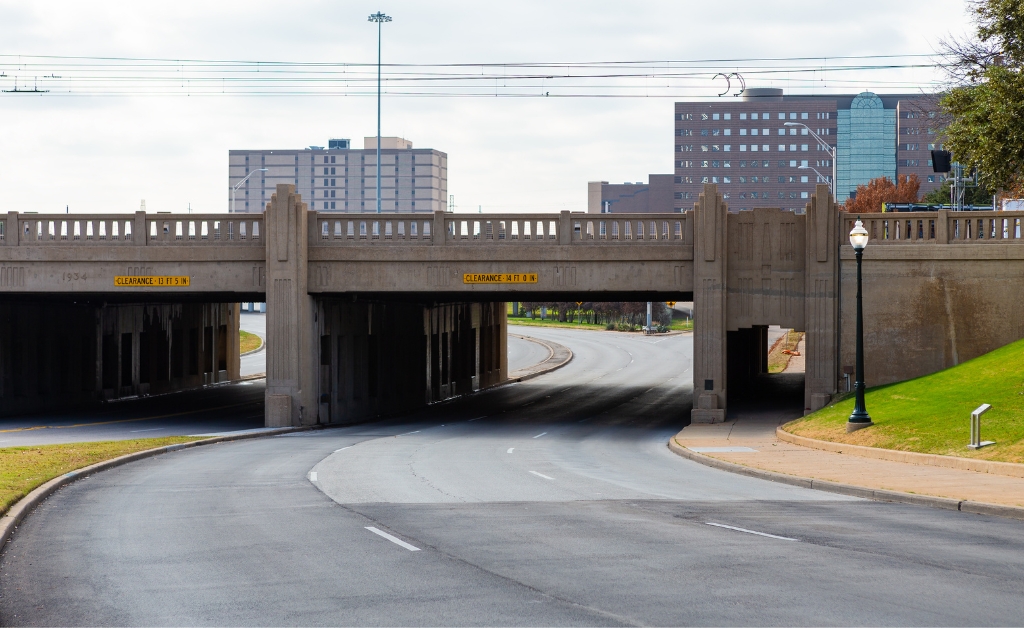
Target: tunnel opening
point(765, 371)
point(84, 353)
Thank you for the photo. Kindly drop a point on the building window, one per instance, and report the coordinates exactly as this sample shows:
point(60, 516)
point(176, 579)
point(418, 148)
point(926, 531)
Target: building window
point(803, 116)
point(803, 179)
point(704, 180)
point(804, 194)
point(703, 116)
point(715, 148)
point(728, 131)
point(714, 179)
point(686, 132)
point(782, 116)
point(686, 164)
point(714, 116)
point(753, 131)
point(727, 116)
point(704, 163)
point(803, 147)
point(727, 148)
point(325, 161)
point(325, 193)
point(325, 182)
point(782, 131)
point(332, 205)
point(332, 161)
point(326, 170)
point(931, 178)
point(753, 116)
point(332, 171)
point(782, 148)
point(792, 147)
point(743, 131)
point(792, 116)
point(743, 148)
point(716, 132)
point(727, 164)
point(333, 182)
point(715, 164)
point(743, 116)
point(704, 132)
point(792, 131)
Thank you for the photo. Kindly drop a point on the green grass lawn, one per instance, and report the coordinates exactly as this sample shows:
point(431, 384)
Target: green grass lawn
point(536, 322)
point(931, 414)
point(24, 468)
point(248, 342)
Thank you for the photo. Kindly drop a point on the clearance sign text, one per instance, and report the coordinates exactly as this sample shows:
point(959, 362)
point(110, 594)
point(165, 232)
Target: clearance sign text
point(499, 278)
point(151, 282)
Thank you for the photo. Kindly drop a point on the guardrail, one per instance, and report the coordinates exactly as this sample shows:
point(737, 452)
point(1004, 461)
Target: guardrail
point(443, 229)
point(140, 229)
point(941, 227)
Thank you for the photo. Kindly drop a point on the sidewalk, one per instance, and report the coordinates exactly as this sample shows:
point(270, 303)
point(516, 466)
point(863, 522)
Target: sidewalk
point(748, 438)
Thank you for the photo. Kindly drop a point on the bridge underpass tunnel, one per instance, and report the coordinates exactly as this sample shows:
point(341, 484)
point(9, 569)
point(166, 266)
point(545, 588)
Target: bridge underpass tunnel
point(752, 385)
point(63, 354)
point(384, 358)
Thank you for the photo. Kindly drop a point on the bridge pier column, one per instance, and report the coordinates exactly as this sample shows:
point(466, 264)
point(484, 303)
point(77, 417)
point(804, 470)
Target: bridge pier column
point(821, 375)
point(292, 365)
point(709, 304)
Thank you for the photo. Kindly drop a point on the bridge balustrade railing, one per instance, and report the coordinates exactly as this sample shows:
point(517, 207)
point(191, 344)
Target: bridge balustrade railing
point(942, 227)
point(211, 229)
point(130, 229)
point(500, 229)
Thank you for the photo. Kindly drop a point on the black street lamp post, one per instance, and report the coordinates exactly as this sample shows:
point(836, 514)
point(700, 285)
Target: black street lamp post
point(860, 418)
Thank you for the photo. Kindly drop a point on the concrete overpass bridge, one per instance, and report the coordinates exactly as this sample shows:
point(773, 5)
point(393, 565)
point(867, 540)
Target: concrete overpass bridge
point(371, 314)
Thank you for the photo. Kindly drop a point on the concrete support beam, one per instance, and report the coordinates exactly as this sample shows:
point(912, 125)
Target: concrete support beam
point(709, 302)
point(291, 352)
point(821, 310)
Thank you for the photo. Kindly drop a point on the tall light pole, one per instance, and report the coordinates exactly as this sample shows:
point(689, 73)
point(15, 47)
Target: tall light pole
point(379, 18)
point(238, 185)
point(831, 150)
point(831, 185)
point(860, 418)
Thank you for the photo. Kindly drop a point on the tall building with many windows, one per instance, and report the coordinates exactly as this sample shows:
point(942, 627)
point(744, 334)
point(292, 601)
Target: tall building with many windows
point(761, 152)
point(340, 178)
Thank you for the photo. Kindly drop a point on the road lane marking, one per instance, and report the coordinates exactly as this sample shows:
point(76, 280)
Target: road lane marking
point(510, 449)
point(407, 433)
point(343, 449)
point(771, 536)
point(477, 419)
point(312, 476)
point(541, 475)
point(395, 540)
point(539, 435)
point(150, 429)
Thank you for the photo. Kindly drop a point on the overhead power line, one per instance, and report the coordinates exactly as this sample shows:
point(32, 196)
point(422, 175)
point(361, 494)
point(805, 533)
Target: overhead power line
point(126, 76)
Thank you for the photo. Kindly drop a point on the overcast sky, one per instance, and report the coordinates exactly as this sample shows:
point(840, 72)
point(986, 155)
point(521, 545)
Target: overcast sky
point(106, 153)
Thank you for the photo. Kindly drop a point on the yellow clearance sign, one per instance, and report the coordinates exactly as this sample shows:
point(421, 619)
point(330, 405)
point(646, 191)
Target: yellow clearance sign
point(151, 282)
point(499, 278)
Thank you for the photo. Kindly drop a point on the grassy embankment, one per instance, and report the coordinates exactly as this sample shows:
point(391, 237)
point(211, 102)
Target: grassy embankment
point(24, 468)
point(931, 414)
point(248, 342)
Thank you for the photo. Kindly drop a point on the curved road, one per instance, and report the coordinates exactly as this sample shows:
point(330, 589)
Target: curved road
point(551, 502)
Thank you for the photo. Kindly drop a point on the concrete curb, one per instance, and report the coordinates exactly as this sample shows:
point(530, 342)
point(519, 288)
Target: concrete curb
point(979, 508)
point(21, 509)
point(933, 460)
point(558, 356)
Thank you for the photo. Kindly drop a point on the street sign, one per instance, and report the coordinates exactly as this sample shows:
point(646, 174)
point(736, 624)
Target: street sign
point(670, 303)
point(139, 281)
point(499, 278)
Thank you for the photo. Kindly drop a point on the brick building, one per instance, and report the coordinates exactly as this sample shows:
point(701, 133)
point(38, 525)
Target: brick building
point(746, 147)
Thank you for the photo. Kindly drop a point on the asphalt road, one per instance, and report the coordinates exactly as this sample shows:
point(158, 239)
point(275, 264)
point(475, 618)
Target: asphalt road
point(551, 502)
point(254, 323)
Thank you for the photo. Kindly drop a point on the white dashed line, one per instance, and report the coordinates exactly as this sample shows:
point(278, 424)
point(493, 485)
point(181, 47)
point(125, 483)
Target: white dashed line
point(312, 476)
point(343, 449)
point(510, 450)
point(539, 435)
point(771, 536)
point(477, 419)
point(395, 540)
point(541, 475)
point(407, 433)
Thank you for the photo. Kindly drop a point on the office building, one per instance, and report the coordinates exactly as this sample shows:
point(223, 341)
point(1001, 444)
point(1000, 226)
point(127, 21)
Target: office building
point(745, 146)
point(652, 197)
point(340, 178)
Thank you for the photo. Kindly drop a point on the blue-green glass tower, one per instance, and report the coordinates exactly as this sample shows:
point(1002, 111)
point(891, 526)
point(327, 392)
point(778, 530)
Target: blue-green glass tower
point(865, 143)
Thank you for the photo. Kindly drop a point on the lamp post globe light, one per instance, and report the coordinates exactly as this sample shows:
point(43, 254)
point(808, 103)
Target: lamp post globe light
point(379, 18)
point(239, 184)
point(860, 418)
